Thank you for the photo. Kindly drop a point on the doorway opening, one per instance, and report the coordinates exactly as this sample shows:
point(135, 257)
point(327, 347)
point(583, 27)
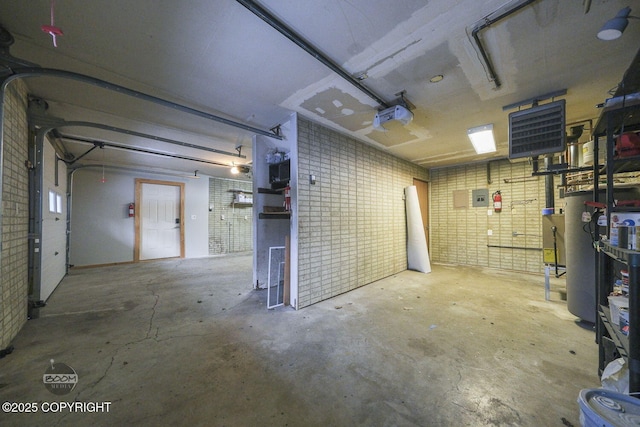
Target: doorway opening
point(230, 216)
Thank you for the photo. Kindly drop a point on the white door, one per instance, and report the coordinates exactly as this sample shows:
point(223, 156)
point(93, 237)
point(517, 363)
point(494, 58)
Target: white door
point(160, 233)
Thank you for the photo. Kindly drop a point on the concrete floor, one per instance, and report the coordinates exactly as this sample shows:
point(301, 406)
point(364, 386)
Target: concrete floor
point(188, 342)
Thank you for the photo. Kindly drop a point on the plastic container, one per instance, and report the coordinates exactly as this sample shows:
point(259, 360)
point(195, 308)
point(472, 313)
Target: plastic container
point(606, 408)
point(587, 152)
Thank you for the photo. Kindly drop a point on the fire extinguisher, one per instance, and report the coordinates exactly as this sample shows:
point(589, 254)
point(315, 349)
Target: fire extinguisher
point(287, 198)
point(132, 210)
point(497, 201)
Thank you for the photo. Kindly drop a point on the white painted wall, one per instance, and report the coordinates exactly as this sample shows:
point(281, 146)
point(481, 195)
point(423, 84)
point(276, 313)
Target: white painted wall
point(272, 232)
point(54, 225)
point(101, 230)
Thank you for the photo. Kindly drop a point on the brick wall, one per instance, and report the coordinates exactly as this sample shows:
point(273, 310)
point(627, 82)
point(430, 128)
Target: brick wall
point(15, 215)
point(234, 232)
point(460, 236)
point(351, 223)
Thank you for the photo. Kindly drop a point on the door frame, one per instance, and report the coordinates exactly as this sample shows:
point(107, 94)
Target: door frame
point(137, 216)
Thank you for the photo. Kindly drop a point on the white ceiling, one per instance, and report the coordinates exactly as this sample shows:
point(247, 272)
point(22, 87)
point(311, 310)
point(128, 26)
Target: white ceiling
point(218, 57)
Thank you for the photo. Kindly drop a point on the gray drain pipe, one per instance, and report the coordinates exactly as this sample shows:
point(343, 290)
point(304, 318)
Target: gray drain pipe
point(549, 190)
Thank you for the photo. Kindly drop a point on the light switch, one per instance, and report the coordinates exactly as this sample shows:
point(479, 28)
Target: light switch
point(489, 232)
point(193, 216)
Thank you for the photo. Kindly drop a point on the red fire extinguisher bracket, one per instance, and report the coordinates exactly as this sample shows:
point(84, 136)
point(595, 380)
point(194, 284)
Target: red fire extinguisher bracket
point(497, 201)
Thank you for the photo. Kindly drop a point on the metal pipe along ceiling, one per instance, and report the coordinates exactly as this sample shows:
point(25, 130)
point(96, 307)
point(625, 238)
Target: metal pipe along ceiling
point(487, 21)
point(146, 136)
point(101, 144)
point(267, 17)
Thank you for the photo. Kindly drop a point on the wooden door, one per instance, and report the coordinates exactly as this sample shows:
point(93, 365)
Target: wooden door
point(423, 199)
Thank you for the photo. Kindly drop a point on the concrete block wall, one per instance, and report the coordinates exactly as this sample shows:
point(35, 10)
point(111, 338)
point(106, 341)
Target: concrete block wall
point(230, 225)
point(15, 215)
point(460, 236)
point(351, 223)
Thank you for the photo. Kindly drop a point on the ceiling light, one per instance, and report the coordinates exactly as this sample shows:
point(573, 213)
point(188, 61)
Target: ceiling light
point(613, 28)
point(482, 139)
point(437, 78)
point(236, 169)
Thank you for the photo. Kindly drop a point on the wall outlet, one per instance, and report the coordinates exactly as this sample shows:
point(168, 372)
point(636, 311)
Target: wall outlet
point(222, 217)
point(489, 232)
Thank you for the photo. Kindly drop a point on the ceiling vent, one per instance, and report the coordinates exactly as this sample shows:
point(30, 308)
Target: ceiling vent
point(538, 130)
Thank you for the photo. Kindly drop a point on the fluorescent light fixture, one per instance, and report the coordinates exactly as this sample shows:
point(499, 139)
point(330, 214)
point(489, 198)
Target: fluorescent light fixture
point(613, 28)
point(482, 139)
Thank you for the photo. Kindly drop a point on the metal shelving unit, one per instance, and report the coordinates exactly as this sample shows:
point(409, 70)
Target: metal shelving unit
point(625, 346)
point(620, 114)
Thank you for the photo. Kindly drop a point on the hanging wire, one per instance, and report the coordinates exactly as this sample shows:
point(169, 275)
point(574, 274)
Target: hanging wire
point(103, 179)
point(52, 30)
